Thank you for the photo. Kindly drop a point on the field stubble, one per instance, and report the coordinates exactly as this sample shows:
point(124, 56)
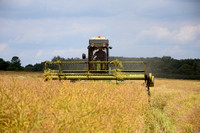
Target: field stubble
point(28, 104)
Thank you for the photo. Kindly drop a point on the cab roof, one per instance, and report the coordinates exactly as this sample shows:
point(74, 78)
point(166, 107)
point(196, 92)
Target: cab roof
point(98, 42)
point(98, 38)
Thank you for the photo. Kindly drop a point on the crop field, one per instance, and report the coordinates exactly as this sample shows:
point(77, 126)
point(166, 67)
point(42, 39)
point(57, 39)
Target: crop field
point(28, 104)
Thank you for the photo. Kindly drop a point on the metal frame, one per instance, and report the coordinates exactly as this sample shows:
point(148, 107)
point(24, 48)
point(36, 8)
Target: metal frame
point(114, 74)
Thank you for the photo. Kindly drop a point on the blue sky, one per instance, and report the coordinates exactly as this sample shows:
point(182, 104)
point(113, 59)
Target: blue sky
point(38, 30)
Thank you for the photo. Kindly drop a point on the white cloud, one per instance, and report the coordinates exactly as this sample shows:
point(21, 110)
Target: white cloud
point(40, 53)
point(188, 33)
point(183, 35)
point(61, 52)
point(48, 30)
point(159, 32)
point(174, 50)
point(3, 47)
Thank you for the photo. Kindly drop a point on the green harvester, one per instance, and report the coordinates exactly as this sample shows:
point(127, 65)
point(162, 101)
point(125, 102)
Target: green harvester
point(92, 69)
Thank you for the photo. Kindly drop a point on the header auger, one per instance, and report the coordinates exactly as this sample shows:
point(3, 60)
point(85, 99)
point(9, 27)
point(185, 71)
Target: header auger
point(98, 67)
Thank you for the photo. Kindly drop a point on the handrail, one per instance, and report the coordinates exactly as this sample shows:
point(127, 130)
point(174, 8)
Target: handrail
point(91, 62)
point(94, 62)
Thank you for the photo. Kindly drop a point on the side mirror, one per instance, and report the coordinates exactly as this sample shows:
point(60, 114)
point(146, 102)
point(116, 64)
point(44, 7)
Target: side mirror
point(83, 56)
point(110, 47)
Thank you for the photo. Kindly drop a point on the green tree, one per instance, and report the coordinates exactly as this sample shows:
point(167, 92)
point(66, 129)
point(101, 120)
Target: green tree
point(3, 64)
point(28, 67)
point(38, 67)
point(167, 59)
point(186, 69)
point(56, 58)
point(15, 64)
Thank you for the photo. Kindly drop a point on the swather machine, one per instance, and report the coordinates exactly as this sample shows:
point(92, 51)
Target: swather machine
point(92, 69)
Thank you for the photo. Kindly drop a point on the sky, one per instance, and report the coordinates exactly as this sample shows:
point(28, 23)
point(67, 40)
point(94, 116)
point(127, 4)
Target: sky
point(38, 30)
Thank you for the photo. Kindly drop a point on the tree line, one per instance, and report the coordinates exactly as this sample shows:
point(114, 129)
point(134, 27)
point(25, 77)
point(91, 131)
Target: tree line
point(167, 67)
point(15, 65)
point(163, 67)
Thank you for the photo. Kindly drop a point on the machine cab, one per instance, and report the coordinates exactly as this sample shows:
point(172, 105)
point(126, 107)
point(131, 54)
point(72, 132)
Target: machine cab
point(96, 45)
